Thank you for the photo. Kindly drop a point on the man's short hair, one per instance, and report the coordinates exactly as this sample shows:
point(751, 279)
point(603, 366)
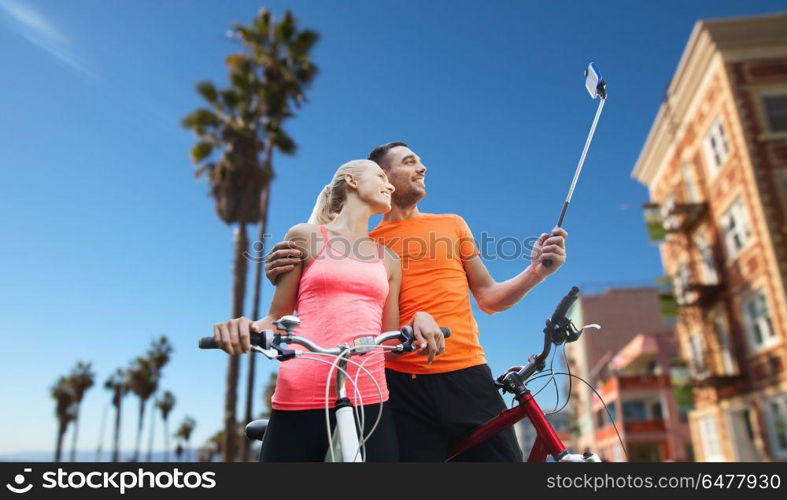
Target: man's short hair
point(379, 154)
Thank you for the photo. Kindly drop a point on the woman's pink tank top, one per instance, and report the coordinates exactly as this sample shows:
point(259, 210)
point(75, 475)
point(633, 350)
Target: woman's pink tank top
point(340, 298)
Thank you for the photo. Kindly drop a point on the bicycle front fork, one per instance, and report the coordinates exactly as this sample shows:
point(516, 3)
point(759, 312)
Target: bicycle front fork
point(345, 419)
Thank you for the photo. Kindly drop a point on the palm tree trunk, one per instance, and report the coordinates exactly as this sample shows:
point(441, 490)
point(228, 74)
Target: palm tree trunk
point(116, 436)
point(166, 441)
point(239, 269)
point(139, 429)
point(74, 437)
point(61, 431)
point(101, 432)
point(152, 431)
point(255, 315)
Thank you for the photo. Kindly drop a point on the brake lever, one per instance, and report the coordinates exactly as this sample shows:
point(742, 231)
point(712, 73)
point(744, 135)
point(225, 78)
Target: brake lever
point(275, 351)
point(268, 353)
point(574, 336)
point(407, 345)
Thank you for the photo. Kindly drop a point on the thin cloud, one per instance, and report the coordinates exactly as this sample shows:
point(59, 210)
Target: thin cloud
point(36, 28)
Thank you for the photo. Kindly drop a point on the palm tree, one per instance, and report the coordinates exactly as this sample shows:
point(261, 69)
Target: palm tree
point(159, 354)
point(264, 80)
point(230, 130)
point(81, 379)
point(63, 395)
point(165, 403)
point(278, 54)
point(142, 383)
point(184, 433)
point(118, 383)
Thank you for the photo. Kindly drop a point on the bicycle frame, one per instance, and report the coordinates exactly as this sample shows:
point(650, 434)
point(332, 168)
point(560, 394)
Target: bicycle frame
point(346, 429)
point(559, 330)
point(547, 441)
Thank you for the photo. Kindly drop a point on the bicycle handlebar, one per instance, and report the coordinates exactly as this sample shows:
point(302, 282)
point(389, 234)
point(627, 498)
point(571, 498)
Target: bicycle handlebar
point(265, 340)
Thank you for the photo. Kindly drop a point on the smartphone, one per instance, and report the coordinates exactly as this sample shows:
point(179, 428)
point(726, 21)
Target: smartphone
point(594, 82)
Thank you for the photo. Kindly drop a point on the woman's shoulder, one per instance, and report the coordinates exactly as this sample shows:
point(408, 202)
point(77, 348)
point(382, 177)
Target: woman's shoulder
point(307, 237)
point(302, 229)
point(387, 253)
point(390, 260)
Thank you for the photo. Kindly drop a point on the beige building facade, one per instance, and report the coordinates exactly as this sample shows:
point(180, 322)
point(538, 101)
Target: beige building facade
point(715, 165)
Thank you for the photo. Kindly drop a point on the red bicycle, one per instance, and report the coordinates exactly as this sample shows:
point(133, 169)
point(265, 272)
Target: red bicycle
point(559, 330)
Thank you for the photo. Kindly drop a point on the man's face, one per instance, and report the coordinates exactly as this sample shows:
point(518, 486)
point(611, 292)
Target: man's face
point(407, 174)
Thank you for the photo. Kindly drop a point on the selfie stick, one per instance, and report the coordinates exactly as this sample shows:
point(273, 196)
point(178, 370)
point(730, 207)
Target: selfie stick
point(597, 87)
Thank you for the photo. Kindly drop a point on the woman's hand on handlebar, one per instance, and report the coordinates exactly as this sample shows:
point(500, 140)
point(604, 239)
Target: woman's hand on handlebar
point(233, 336)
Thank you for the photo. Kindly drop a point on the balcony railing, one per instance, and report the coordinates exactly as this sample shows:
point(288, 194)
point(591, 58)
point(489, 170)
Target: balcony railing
point(682, 217)
point(644, 426)
point(643, 381)
point(705, 371)
point(690, 291)
point(632, 427)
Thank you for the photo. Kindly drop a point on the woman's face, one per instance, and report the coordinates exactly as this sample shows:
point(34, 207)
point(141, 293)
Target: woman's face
point(373, 188)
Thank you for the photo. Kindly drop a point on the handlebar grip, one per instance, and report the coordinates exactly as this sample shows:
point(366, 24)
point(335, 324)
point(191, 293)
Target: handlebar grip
point(407, 331)
point(255, 338)
point(207, 343)
point(565, 304)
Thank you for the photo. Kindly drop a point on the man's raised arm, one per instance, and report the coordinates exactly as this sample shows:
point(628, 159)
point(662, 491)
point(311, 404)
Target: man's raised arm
point(493, 297)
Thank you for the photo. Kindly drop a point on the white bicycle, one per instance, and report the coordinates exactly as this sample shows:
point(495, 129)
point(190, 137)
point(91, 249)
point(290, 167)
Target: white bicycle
point(349, 418)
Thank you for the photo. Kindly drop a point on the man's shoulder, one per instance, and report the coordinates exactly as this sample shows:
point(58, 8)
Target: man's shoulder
point(430, 221)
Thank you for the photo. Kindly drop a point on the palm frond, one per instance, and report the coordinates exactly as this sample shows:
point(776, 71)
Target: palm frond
point(207, 90)
point(200, 151)
point(200, 120)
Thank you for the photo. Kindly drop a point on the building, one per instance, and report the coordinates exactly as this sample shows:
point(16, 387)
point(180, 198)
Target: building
point(623, 313)
point(639, 386)
point(715, 165)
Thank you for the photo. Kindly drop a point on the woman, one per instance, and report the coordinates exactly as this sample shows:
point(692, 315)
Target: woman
point(347, 286)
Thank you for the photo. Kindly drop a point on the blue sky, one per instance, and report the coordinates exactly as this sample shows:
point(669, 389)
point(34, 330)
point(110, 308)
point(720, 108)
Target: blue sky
point(108, 240)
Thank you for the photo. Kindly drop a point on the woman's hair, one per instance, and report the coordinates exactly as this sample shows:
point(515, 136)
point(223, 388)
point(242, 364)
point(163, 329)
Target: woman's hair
point(331, 199)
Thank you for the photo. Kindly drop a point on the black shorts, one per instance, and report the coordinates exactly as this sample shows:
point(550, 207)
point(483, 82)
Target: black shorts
point(434, 412)
point(301, 436)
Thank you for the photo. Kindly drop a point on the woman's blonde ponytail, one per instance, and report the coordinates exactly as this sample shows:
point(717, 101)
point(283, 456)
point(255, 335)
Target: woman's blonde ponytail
point(331, 199)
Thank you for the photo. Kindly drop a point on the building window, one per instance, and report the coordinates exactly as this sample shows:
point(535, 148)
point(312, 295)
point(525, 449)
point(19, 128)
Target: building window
point(716, 147)
point(634, 410)
point(656, 411)
point(707, 262)
point(709, 437)
point(723, 336)
point(757, 319)
point(736, 229)
point(603, 419)
point(775, 107)
point(697, 355)
point(682, 280)
point(777, 416)
point(692, 195)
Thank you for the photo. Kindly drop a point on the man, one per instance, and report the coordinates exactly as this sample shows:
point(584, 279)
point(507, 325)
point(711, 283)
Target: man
point(438, 400)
